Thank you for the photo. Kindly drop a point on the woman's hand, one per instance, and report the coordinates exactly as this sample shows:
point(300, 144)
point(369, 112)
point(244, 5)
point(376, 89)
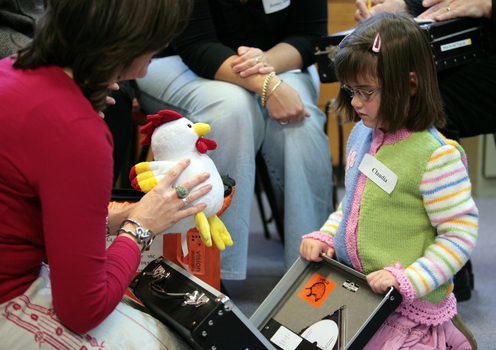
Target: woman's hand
point(110, 100)
point(438, 9)
point(285, 104)
point(381, 281)
point(161, 208)
point(251, 61)
point(310, 249)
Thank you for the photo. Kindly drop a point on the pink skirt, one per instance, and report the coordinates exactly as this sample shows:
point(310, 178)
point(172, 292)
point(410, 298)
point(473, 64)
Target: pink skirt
point(399, 332)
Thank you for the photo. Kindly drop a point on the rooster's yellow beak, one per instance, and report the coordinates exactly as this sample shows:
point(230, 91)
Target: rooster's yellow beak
point(201, 129)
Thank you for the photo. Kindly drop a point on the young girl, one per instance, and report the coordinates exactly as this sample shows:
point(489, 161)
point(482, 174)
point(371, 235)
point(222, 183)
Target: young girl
point(408, 219)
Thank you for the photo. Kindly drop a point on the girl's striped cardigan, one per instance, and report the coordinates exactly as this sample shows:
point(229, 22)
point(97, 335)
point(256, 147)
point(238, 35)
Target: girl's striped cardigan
point(423, 232)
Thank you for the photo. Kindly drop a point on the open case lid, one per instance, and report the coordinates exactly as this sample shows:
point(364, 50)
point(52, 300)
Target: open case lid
point(328, 296)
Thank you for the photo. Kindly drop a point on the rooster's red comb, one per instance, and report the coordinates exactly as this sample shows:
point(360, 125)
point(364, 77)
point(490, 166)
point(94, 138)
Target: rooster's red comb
point(156, 120)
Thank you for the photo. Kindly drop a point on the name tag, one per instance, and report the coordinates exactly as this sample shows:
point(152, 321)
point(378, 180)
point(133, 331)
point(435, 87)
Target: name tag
point(380, 174)
point(271, 6)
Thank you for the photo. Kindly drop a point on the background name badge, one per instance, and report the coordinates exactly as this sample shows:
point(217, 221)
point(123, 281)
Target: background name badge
point(271, 6)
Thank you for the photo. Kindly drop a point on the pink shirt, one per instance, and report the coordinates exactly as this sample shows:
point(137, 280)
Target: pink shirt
point(55, 186)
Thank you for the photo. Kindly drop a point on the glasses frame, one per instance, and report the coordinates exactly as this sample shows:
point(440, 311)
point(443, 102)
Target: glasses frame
point(362, 94)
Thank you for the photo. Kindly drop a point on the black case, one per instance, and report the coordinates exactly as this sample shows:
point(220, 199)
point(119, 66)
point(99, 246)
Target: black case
point(456, 41)
point(350, 303)
point(453, 42)
point(325, 49)
point(203, 316)
point(179, 299)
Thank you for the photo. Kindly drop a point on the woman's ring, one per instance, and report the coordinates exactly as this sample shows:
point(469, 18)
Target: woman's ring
point(256, 60)
point(265, 63)
point(185, 201)
point(283, 122)
point(181, 191)
point(448, 8)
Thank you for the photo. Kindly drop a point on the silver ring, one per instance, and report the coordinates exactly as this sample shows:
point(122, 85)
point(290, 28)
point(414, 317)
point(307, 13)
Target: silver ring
point(181, 191)
point(282, 123)
point(448, 8)
point(185, 201)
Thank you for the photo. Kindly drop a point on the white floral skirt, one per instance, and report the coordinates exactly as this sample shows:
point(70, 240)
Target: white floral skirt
point(29, 321)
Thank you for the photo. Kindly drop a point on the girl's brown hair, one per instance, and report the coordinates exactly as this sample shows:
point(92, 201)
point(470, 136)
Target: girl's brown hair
point(404, 49)
point(99, 39)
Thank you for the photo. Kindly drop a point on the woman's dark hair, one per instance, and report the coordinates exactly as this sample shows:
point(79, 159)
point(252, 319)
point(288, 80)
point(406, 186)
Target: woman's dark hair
point(404, 49)
point(99, 39)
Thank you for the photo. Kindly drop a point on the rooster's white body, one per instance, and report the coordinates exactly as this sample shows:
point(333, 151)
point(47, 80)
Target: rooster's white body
point(171, 142)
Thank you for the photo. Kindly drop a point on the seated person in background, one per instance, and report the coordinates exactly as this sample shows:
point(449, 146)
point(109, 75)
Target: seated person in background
point(17, 23)
point(56, 179)
point(412, 234)
point(466, 90)
point(468, 103)
point(118, 116)
point(221, 72)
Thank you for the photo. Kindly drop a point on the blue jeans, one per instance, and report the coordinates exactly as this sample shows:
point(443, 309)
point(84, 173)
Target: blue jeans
point(297, 155)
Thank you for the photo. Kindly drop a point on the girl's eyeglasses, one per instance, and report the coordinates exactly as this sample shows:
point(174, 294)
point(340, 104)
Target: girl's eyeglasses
point(362, 94)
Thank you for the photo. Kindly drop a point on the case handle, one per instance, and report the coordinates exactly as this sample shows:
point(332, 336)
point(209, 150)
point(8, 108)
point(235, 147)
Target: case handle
point(196, 298)
point(156, 289)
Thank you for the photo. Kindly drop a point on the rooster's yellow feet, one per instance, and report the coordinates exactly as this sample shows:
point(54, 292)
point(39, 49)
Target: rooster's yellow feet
point(203, 228)
point(219, 233)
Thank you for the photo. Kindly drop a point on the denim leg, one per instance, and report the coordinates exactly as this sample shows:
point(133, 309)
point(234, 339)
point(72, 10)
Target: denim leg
point(299, 163)
point(237, 126)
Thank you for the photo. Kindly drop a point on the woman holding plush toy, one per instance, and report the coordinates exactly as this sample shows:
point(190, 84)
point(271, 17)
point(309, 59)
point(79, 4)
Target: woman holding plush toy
point(56, 180)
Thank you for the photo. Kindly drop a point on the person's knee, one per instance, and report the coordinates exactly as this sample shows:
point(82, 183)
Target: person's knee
point(236, 112)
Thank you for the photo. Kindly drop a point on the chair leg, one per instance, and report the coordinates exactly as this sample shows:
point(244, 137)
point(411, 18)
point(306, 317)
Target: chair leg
point(337, 174)
point(258, 194)
point(266, 186)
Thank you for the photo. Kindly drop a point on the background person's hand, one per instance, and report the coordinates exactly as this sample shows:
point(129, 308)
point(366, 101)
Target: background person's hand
point(438, 9)
point(251, 61)
point(378, 6)
point(286, 106)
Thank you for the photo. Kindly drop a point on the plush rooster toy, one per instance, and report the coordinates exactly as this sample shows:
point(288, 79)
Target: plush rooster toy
point(173, 138)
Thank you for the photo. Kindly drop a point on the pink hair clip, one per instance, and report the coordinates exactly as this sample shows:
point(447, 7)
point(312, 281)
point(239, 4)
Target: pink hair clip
point(377, 43)
point(347, 35)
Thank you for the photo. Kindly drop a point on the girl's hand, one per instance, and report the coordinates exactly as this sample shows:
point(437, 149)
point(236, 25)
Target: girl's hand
point(381, 281)
point(438, 9)
point(251, 61)
point(285, 104)
point(310, 249)
point(161, 208)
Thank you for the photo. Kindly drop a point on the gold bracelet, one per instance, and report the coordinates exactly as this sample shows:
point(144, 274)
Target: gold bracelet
point(265, 85)
point(273, 89)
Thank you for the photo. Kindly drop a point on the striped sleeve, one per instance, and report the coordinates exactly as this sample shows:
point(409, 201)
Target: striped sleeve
point(332, 223)
point(446, 191)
